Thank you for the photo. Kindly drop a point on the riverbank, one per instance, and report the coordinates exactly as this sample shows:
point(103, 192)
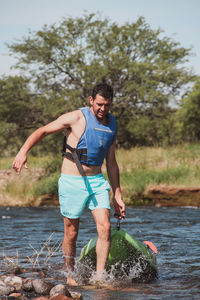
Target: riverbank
point(149, 176)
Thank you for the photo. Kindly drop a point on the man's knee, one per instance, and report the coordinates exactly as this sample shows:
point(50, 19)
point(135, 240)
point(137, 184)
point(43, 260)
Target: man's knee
point(71, 229)
point(70, 235)
point(106, 226)
point(104, 230)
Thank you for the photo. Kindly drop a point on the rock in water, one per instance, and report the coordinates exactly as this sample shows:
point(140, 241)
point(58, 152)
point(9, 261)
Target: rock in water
point(60, 289)
point(14, 281)
point(60, 297)
point(41, 287)
point(1, 282)
point(41, 298)
point(5, 290)
point(27, 284)
point(76, 295)
point(15, 296)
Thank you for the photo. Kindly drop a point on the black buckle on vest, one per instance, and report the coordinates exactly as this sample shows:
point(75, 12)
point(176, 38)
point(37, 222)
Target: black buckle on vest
point(81, 153)
point(76, 155)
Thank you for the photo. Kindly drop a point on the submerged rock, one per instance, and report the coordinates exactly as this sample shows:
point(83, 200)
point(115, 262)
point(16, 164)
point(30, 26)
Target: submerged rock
point(15, 270)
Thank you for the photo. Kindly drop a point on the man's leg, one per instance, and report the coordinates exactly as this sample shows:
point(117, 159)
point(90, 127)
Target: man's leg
point(71, 227)
point(102, 219)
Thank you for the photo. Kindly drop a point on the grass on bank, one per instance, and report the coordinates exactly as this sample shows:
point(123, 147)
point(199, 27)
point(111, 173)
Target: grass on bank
point(140, 168)
point(25, 189)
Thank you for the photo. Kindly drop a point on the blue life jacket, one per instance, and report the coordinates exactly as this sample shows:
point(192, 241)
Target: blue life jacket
point(95, 140)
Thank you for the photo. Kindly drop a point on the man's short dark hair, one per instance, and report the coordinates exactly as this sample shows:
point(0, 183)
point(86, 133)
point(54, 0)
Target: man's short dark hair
point(104, 90)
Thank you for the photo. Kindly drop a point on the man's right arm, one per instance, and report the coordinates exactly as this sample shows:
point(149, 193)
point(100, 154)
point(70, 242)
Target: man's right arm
point(63, 122)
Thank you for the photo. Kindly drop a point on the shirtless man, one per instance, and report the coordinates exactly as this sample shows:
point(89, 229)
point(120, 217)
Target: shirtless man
point(91, 132)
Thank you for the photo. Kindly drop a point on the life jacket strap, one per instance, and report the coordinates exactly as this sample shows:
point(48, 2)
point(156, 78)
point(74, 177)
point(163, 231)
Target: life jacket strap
point(76, 155)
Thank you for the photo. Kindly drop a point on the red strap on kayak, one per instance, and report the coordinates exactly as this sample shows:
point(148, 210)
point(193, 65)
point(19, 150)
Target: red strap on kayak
point(151, 246)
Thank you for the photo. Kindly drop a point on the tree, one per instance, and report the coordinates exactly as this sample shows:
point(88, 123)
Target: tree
point(21, 111)
point(15, 103)
point(189, 116)
point(145, 68)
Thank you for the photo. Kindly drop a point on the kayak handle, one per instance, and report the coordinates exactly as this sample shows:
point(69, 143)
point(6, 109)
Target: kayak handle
point(118, 220)
point(118, 224)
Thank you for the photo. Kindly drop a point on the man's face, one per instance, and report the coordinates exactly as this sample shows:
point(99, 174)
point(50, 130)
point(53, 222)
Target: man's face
point(100, 106)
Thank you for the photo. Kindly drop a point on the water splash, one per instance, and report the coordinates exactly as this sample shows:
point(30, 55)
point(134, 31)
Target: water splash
point(119, 275)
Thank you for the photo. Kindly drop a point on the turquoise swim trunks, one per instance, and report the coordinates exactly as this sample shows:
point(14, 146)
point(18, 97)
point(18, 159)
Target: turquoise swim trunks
point(76, 192)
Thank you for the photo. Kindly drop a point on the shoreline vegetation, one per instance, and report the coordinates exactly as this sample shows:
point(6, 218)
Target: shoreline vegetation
point(160, 176)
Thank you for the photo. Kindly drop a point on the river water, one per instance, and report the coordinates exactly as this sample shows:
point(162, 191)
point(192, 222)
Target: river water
point(175, 232)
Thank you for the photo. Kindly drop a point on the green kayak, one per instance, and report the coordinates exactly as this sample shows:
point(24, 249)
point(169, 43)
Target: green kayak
point(127, 256)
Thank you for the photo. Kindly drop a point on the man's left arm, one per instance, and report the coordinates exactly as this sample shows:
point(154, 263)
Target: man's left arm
point(113, 175)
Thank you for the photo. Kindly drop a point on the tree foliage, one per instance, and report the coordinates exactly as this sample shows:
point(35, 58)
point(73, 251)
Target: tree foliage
point(15, 103)
point(21, 112)
point(188, 115)
point(64, 61)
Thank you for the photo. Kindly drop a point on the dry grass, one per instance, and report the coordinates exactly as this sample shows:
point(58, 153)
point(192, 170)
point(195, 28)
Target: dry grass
point(17, 190)
point(38, 259)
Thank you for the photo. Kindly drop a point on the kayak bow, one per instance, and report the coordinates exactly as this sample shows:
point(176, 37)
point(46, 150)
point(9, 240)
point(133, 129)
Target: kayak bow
point(126, 254)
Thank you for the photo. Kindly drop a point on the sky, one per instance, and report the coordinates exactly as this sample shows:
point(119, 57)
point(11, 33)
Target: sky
point(179, 19)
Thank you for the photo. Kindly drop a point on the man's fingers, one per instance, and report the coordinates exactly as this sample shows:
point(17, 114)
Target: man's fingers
point(119, 209)
point(14, 165)
point(17, 166)
point(123, 212)
point(119, 216)
point(116, 215)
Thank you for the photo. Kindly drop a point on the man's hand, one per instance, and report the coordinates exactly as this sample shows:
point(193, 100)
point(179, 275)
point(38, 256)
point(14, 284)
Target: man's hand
point(119, 207)
point(19, 161)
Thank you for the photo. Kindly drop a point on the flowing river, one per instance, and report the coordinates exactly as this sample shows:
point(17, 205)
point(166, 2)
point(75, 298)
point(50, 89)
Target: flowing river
point(32, 237)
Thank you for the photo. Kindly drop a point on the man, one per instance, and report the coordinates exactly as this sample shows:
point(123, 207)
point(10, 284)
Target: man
point(90, 137)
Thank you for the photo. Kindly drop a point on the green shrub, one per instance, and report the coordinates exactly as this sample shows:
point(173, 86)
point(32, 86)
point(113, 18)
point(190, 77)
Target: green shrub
point(47, 185)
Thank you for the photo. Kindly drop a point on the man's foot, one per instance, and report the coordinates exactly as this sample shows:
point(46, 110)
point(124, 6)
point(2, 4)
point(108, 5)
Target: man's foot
point(71, 281)
point(99, 279)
